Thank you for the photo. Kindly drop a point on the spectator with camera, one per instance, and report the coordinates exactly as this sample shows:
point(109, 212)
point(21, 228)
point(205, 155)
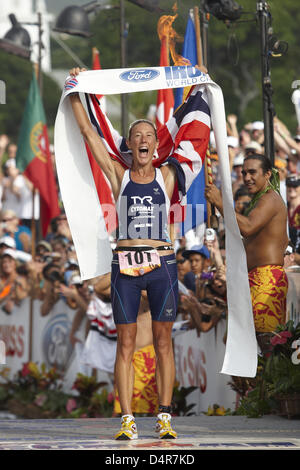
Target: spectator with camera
point(291, 259)
point(60, 230)
point(53, 278)
point(79, 294)
point(242, 199)
point(293, 203)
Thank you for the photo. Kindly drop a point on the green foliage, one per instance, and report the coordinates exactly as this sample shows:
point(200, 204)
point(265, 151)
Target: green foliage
point(239, 72)
point(36, 392)
point(277, 375)
point(17, 74)
point(179, 402)
point(282, 375)
point(254, 406)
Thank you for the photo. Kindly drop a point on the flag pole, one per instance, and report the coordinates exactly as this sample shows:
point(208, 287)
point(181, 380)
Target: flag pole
point(33, 237)
point(207, 161)
point(33, 225)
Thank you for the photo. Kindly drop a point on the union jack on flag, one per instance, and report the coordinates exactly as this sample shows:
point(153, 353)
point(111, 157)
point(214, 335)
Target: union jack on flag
point(183, 141)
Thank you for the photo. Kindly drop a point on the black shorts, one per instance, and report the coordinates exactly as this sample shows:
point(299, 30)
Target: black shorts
point(161, 285)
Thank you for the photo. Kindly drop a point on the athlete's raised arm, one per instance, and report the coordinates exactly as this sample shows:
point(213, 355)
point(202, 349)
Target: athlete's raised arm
point(112, 169)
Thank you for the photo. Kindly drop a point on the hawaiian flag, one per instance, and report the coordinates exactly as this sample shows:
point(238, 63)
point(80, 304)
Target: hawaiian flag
point(183, 142)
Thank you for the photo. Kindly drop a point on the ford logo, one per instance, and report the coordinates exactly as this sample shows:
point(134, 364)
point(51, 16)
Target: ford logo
point(139, 75)
point(57, 349)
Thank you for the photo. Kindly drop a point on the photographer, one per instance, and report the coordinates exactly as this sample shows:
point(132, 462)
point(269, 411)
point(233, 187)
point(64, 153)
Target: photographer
point(203, 315)
point(80, 294)
point(211, 241)
point(242, 199)
point(53, 278)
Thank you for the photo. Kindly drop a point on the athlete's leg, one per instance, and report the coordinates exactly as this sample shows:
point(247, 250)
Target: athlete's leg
point(162, 292)
point(126, 294)
point(123, 366)
point(166, 376)
point(162, 340)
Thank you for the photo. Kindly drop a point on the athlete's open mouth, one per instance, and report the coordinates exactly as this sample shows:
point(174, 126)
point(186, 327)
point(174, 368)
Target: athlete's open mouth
point(143, 151)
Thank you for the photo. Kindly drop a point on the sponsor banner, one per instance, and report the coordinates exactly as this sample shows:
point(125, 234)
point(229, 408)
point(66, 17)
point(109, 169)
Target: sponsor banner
point(14, 333)
point(116, 81)
point(198, 364)
point(50, 339)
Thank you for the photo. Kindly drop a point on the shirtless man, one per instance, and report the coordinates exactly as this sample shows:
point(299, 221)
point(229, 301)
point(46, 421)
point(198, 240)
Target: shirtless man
point(264, 230)
point(134, 191)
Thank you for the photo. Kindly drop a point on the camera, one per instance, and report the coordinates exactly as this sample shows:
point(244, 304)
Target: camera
point(55, 276)
point(207, 301)
point(210, 234)
point(208, 276)
point(51, 273)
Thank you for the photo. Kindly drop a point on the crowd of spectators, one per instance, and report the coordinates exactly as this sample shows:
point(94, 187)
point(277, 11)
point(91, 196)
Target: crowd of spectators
point(49, 271)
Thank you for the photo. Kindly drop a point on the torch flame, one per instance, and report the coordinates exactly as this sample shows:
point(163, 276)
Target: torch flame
point(165, 30)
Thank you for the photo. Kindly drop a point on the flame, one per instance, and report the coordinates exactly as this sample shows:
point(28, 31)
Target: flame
point(165, 29)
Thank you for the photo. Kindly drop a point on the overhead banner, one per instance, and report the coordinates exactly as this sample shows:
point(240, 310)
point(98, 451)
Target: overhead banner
point(118, 81)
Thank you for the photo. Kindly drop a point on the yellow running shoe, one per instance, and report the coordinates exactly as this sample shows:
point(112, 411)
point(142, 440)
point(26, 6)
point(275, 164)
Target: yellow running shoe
point(128, 429)
point(164, 428)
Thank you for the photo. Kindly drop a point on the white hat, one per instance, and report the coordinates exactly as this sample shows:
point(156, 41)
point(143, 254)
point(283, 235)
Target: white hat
point(10, 163)
point(253, 145)
point(75, 280)
point(232, 141)
point(239, 159)
point(71, 262)
point(257, 126)
point(8, 241)
point(9, 252)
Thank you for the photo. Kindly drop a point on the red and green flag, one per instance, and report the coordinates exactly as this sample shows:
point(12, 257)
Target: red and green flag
point(33, 155)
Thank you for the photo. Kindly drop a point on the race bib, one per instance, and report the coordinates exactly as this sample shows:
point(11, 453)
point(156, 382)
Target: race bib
point(138, 263)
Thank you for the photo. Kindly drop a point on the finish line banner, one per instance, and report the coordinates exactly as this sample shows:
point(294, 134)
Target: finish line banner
point(118, 81)
point(83, 210)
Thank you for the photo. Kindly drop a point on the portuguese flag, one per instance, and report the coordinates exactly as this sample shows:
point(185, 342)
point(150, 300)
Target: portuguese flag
point(33, 155)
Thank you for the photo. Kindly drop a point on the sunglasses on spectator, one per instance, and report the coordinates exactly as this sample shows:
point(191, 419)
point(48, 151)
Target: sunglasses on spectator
point(180, 261)
point(8, 219)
